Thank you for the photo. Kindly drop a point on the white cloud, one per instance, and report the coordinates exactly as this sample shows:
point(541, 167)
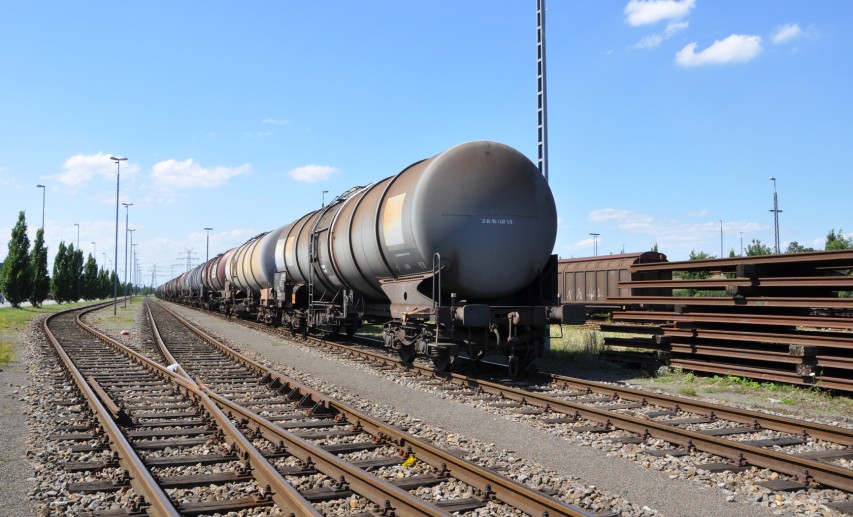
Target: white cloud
point(645, 12)
point(653, 40)
point(737, 48)
point(81, 168)
point(275, 121)
point(171, 174)
point(786, 33)
point(312, 173)
point(673, 235)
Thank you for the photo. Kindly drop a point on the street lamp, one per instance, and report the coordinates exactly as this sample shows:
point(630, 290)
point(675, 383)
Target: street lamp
point(776, 212)
point(43, 190)
point(115, 279)
point(78, 234)
point(323, 204)
point(207, 252)
point(126, 218)
point(595, 244)
point(721, 238)
point(741, 243)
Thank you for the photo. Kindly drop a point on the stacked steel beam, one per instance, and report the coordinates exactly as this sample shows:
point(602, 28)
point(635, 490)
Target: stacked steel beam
point(782, 318)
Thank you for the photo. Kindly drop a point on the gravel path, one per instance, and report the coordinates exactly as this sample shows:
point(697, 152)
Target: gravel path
point(641, 486)
point(15, 471)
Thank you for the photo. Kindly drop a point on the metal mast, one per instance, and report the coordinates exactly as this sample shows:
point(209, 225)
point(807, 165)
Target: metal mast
point(542, 108)
point(776, 215)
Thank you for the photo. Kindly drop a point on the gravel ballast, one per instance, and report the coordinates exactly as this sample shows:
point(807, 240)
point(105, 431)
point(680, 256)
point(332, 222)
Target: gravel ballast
point(641, 486)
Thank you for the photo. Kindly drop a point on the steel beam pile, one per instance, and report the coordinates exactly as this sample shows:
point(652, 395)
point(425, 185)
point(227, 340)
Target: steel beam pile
point(784, 318)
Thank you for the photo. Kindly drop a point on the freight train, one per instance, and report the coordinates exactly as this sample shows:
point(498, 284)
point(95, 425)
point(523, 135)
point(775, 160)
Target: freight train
point(451, 255)
point(591, 281)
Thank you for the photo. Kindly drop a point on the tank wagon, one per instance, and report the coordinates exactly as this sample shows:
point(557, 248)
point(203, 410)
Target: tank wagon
point(591, 281)
point(452, 254)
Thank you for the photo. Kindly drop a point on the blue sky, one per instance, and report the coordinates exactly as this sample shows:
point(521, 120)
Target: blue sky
point(665, 117)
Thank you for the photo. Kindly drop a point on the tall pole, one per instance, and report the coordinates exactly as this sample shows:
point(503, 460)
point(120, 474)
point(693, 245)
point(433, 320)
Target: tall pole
point(323, 204)
point(595, 244)
point(42, 205)
point(721, 238)
point(133, 265)
point(115, 278)
point(741, 243)
point(126, 219)
point(131, 230)
point(775, 215)
point(78, 234)
point(207, 250)
point(104, 263)
point(542, 109)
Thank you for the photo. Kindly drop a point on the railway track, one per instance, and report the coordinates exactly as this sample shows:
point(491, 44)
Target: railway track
point(174, 446)
point(352, 450)
point(808, 454)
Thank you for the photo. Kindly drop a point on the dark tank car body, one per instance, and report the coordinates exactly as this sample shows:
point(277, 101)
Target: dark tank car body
point(452, 254)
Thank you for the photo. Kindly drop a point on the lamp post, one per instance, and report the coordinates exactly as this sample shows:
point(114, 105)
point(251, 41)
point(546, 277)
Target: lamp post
point(115, 279)
point(104, 263)
point(207, 249)
point(78, 234)
point(323, 204)
point(126, 219)
point(43, 190)
point(741, 243)
point(595, 244)
point(721, 238)
point(775, 214)
point(130, 231)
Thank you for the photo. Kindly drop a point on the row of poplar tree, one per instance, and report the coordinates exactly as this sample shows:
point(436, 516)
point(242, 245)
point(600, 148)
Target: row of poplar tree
point(24, 274)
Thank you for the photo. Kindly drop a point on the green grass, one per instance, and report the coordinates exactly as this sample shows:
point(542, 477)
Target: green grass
point(687, 391)
point(7, 353)
point(14, 321)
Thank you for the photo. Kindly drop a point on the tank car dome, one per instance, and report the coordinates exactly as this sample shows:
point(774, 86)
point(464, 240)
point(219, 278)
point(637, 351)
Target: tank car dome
point(489, 212)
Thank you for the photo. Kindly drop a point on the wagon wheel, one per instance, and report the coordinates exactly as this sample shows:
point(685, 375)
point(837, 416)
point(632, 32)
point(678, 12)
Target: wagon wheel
point(407, 353)
point(520, 361)
point(443, 363)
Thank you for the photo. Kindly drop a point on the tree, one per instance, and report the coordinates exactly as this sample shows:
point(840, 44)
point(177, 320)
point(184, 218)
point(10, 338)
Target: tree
point(757, 248)
point(796, 247)
point(91, 285)
point(837, 241)
point(57, 283)
point(75, 267)
point(16, 278)
point(38, 266)
point(655, 248)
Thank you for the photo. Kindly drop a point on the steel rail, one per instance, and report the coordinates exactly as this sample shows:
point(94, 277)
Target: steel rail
point(822, 339)
point(707, 283)
point(837, 258)
point(740, 301)
point(140, 478)
point(825, 474)
point(283, 493)
point(504, 489)
point(743, 319)
point(828, 475)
